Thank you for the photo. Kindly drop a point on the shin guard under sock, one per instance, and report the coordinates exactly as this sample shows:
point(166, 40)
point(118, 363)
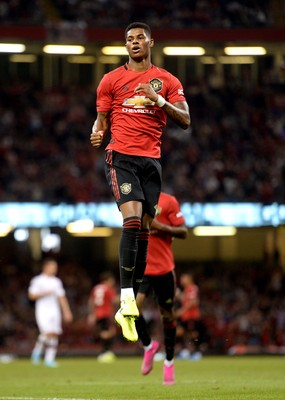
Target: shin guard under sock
point(142, 331)
point(128, 248)
point(169, 328)
point(141, 259)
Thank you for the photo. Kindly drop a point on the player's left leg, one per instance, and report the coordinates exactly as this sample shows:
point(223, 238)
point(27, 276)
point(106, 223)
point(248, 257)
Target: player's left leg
point(141, 258)
point(150, 346)
point(106, 335)
point(51, 350)
point(169, 329)
point(165, 291)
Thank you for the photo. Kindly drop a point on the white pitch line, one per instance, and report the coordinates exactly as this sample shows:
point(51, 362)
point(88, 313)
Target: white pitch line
point(51, 398)
point(45, 398)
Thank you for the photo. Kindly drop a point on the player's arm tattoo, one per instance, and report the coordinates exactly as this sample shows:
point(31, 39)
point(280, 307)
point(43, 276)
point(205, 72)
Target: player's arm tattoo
point(179, 113)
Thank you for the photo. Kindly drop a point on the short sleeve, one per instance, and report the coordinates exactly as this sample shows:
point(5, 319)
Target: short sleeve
point(104, 95)
point(33, 287)
point(175, 90)
point(59, 288)
point(175, 215)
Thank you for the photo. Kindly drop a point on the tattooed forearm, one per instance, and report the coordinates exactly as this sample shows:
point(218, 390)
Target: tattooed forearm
point(179, 113)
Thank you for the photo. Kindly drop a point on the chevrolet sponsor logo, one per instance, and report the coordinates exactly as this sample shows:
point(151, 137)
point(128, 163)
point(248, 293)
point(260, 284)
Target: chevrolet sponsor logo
point(138, 102)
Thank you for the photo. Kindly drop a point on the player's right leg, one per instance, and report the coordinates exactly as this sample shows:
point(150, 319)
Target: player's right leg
point(38, 349)
point(123, 179)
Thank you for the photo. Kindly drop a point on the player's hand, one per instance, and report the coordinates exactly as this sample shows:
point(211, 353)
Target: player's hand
point(68, 317)
point(178, 313)
point(147, 89)
point(91, 319)
point(96, 138)
point(48, 293)
point(153, 232)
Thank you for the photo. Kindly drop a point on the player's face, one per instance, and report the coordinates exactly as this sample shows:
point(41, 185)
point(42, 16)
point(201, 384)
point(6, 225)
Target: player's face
point(51, 268)
point(138, 44)
point(185, 280)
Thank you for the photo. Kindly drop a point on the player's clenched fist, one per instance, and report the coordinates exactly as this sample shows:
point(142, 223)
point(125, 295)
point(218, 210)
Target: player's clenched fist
point(96, 138)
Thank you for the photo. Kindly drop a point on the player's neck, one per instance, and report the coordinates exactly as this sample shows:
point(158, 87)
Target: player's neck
point(139, 66)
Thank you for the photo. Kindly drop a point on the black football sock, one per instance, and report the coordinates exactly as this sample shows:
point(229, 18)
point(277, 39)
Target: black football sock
point(142, 331)
point(141, 259)
point(169, 328)
point(106, 344)
point(128, 248)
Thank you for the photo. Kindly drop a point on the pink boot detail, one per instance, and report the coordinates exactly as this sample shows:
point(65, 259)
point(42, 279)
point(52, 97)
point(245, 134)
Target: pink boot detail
point(168, 375)
point(148, 358)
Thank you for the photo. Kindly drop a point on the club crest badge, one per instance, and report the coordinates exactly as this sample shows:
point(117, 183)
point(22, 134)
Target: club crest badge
point(156, 84)
point(126, 188)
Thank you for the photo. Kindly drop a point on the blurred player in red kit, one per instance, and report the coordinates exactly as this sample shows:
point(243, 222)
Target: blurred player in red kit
point(159, 278)
point(190, 330)
point(135, 100)
point(102, 300)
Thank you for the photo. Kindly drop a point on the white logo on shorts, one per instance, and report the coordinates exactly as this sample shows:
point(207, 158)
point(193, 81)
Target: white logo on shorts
point(126, 188)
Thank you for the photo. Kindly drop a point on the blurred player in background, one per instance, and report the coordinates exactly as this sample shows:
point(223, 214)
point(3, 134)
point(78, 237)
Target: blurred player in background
point(102, 299)
point(51, 305)
point(190, 330)
point(136, 99)
point(159, 278)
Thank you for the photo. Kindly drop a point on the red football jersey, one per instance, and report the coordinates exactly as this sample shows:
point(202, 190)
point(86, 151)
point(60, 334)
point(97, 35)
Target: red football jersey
point(191, 293)
point(102, 297)
point(136, 121)
point(160, 259)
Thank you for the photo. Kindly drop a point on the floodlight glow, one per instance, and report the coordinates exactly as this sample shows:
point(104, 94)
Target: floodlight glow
point(214, 231)
point(12, 48)
point(21, 235)
point(95, 232)
point(245, 51)
point(183, 51)
point(81, 59)
point(50, 242)
point(236, 60)
point(63, 49)
point(23, 58)
point(114, 51)
point(208, 60)
point(5, 228)
point(80, 226)
point(109, 59)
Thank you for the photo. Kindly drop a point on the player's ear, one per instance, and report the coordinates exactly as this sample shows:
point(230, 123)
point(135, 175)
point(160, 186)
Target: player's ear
point(151, 43)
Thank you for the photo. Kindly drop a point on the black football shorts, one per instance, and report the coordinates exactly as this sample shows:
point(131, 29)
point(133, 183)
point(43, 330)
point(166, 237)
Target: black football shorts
point(134, 178)
point(161, 286)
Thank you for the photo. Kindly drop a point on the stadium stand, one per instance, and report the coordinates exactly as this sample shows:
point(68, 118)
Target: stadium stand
point(234, 152)
point(237, 142)
point(177, 14)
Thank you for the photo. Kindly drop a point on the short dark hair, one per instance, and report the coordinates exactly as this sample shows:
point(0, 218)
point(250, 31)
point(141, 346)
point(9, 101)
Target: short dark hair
point(134, 25)
point(105, 275)
point(48, 260)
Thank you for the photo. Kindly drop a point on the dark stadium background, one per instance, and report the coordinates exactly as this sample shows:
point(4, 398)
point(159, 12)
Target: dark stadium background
point(234, 152)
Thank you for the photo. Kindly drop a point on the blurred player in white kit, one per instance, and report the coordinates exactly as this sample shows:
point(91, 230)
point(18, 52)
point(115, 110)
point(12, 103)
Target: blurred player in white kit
point(51, 305)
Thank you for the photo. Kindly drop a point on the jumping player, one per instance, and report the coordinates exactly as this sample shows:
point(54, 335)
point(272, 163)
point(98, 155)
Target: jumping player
point(135, 99)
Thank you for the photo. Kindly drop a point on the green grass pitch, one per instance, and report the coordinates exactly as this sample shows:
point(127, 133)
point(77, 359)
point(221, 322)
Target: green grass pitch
point(212, 378)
